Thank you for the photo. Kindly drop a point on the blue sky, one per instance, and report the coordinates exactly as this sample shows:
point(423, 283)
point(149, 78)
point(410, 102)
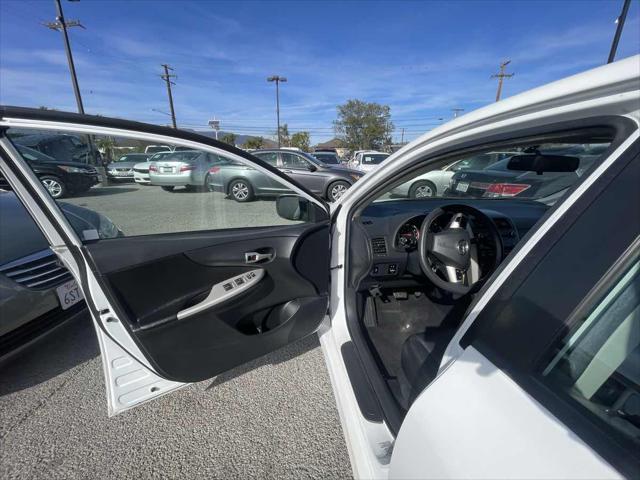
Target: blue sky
point(422, 58)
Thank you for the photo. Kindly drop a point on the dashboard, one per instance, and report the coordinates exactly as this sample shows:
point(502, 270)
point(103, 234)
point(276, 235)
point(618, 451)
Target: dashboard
point(392, 231)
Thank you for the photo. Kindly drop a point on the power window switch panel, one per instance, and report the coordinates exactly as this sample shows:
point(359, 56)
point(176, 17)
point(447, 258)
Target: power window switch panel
point(227, 287)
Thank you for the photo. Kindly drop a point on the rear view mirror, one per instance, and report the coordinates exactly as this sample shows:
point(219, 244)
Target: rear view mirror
point(539, 163)
point(311, 167)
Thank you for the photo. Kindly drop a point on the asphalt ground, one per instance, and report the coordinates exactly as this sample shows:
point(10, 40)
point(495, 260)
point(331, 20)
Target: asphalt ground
point(143, 209)
point(273, 418)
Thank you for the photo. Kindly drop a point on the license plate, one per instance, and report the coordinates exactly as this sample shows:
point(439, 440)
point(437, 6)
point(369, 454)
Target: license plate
point(166, 169)
point(462, 186)
point(69, 294)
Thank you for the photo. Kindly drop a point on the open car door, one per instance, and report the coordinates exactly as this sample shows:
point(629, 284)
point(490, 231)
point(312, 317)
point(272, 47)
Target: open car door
point(191, 283)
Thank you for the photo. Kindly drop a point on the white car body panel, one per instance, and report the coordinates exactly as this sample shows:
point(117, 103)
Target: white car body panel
point(473, 421)
point(140, 177)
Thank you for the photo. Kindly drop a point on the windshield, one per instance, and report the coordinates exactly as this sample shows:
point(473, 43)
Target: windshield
point(34, 155)
point(503, 175)
point(373, 158)
point(181, 156)
point(158, 148)
point(133, 158)
point(330, 158)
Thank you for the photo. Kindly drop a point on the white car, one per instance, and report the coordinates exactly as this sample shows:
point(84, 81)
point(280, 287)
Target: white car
point(141, 170)
point(464, 337)
point(368, 160)
point(435, 182)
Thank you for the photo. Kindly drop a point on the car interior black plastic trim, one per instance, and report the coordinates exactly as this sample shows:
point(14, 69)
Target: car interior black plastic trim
point(365, 396)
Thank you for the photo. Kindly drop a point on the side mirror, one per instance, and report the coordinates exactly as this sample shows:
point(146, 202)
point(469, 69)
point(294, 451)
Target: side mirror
point(311, 167)
point(298, 209)
point(539, 163)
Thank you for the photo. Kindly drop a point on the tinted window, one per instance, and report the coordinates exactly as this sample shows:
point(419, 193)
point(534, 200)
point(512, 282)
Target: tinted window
point(598, 362)
point(269, 157)
point(373, 158)
point(291, 160)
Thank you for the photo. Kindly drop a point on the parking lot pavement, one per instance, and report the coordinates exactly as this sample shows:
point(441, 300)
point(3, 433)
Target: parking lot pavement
point(146, 209)
point(274, 419)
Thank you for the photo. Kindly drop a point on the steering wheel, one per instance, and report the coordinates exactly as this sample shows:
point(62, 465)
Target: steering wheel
point(449, 257)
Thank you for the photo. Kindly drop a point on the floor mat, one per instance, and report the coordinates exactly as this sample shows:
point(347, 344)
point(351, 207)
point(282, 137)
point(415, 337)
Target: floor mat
point(399, 319)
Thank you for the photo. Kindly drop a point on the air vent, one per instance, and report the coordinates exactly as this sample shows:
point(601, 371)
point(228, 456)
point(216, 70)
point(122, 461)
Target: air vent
point(379, 246)
point(38, 271)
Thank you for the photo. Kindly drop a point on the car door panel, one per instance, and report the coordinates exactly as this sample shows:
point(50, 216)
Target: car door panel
point(287, 303)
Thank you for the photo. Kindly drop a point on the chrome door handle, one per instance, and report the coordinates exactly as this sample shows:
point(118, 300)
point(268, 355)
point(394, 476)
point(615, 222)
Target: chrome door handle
point(255, 257)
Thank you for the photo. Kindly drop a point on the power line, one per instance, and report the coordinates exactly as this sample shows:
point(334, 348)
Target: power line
point(167, 78)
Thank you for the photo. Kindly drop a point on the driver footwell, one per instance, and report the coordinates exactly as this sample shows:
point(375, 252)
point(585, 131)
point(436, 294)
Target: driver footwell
point(391, 316)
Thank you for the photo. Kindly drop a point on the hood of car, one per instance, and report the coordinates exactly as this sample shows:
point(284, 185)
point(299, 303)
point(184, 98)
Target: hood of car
point(341, 169)
point(129, 165)
point(83, 166)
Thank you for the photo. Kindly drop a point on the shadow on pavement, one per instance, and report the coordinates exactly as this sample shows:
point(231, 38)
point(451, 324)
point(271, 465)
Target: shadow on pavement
point(68, 346)
point(103, 191)
point(279, 356)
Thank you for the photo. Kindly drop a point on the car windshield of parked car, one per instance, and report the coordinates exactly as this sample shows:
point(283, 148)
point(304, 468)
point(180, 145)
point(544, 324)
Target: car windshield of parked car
point(373, 158)
point(34, 155)
point(328, 158)
point(480, 176)
point(132, 158)
point(181, 156)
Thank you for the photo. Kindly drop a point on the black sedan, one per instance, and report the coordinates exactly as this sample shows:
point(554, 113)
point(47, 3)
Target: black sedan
point(61, 178)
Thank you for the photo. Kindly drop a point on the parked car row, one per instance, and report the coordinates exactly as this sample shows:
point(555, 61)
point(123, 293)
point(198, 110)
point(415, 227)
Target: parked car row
point(62, 178)
point(197, 170)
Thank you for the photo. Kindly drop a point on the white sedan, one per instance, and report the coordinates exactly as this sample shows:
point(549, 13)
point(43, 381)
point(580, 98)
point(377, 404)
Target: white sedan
point(464, 337)
point(435, 182)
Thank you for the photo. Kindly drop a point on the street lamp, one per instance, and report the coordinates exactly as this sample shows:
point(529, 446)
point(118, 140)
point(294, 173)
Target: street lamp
point(277, 79)
point(215, 124)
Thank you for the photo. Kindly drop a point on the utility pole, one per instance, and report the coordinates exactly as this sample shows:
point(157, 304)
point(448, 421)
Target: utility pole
point(456, 111)
point(61, 25)
point(167, 78)
point(402, 137)
point(616, 38)
point(277, 79)
point(501, 76)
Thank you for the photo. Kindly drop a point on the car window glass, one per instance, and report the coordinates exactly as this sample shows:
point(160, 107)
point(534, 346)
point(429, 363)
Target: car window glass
point(373, 158)
point(598, 362)
point(179, 191)
point(291, 160)
point(500, 173)
point(270, 157)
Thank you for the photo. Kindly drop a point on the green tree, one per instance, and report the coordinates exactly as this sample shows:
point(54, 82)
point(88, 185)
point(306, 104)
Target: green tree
point(229, 138)
point(364, 125)
point(285, 138)
point(254, 142)
point(301, 140)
